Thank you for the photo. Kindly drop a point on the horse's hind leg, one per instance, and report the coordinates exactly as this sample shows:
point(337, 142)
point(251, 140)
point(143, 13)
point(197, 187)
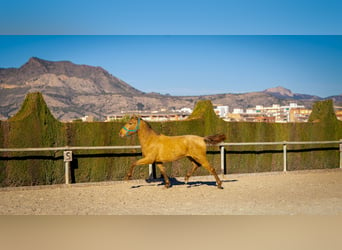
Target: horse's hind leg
point(162, 170)
point(211, 170)
point(195, 165)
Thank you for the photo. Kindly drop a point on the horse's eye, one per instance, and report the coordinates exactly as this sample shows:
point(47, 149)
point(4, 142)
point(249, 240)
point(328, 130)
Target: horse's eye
point(130, 123)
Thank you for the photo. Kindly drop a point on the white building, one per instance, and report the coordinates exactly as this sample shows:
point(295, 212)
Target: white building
point(87, 118)
point(238, 111)
point(186, 110)
point(280, 113)
point(222, 111)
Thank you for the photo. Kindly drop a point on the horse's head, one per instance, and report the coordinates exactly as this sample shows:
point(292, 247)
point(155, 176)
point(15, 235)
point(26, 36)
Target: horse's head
point(131, 127)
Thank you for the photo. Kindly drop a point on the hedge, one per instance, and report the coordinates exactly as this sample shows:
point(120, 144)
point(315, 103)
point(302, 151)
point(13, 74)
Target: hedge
point(35, 126)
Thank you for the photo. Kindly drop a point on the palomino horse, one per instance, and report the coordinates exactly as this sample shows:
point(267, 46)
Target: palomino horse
point(157, 148)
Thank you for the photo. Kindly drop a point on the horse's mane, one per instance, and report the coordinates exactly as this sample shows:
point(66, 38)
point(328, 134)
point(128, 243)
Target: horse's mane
point(150, 127)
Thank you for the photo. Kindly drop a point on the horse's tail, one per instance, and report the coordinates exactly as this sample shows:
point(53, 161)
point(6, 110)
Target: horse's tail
point(214, 139)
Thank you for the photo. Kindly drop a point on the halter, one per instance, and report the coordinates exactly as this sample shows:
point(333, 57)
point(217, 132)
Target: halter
point(132, 131)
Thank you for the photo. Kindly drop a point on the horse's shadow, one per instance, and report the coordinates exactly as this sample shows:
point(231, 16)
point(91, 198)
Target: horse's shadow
point(176, 182)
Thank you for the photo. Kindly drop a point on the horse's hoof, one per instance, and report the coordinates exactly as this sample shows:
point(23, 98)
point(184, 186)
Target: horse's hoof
point(128, 178)
point(186, 179)
point(219, 187)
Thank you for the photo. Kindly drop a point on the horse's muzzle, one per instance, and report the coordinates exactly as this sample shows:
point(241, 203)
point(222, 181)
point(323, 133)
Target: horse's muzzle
point(122, 133)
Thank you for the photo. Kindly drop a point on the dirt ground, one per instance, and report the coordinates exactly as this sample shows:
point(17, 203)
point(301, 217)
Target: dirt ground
point(316, 192)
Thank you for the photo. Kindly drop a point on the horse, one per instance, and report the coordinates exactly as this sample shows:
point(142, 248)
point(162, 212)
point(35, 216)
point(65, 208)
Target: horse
point(158, 148)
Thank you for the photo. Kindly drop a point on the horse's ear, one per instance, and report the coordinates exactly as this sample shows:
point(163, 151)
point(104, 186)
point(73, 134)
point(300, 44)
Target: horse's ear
point(134, 116)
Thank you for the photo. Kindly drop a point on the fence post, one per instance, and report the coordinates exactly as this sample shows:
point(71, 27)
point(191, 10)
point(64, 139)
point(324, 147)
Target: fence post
point(223, 163)
point(67, 155)
point(284, 156)
point(340, 153)
point(152, 174)
point(67, 172)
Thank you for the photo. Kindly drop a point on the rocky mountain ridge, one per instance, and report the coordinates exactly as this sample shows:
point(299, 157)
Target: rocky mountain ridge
point(72, 91)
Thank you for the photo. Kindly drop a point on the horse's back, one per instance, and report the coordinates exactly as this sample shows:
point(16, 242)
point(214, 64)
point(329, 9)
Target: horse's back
point(187, 140)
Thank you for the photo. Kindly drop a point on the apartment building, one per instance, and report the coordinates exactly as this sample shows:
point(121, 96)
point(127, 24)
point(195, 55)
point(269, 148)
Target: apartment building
point(276, 113)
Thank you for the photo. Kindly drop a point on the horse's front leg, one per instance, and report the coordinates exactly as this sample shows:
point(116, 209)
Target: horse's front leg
point(142, 161)
point(130, 172)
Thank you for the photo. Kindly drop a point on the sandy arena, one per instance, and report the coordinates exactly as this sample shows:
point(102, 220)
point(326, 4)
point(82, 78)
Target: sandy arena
point(316, 192)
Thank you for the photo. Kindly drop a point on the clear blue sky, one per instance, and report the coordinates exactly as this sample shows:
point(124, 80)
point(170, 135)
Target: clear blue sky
point(188, 47)
point(193, 65)
point(170, 17)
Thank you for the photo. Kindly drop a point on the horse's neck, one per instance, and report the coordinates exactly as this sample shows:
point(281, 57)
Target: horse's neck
point(146, 134)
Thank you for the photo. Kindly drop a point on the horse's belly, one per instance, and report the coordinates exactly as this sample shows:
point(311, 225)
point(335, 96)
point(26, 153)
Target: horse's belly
point(174, 148)
point(169, 157)
point(171, 153)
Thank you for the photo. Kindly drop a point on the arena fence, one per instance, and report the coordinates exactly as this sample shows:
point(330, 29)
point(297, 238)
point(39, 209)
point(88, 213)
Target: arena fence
point(67, 152)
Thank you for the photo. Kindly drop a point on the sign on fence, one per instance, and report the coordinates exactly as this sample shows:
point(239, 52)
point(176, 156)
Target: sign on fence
point(67, 155)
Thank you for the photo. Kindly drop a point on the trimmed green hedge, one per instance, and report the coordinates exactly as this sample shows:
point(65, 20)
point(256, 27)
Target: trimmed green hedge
point(34, 126)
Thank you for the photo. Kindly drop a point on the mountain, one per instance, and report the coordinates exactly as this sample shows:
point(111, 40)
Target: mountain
point(282, 92)
point(279, 91)
point(72, 91)
point(38, 74)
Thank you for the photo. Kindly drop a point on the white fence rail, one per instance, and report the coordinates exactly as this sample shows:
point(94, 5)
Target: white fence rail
point(67, 152)
point(284, 143)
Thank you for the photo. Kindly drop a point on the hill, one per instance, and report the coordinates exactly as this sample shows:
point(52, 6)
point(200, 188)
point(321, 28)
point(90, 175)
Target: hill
point(72, 91)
